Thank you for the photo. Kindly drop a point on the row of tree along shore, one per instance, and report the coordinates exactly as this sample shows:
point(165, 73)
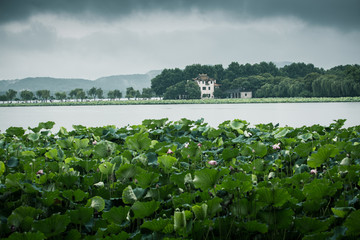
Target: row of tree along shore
point(263, 79)
point(77, 94)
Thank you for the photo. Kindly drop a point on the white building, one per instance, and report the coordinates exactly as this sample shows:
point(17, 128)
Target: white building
point(206, 84)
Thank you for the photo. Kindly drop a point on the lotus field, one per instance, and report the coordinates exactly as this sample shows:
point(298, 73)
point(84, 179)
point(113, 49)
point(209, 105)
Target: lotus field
point(180, 180)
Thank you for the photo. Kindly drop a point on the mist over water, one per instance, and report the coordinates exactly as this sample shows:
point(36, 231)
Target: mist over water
point(290, 114)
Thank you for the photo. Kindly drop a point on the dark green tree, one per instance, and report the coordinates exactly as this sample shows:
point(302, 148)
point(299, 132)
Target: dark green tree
point(99, 93)
point(77, 93)
point(26, 95)
point(92, 92)
point(60, 96)
point(147, 93)
point(11, 94)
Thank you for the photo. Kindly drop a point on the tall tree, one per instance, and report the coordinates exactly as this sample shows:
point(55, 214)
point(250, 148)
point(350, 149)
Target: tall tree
point(92, 92)
point(77, 93)
point(26, 95)
point(147, 93)
point(11, 94)
point(99, 93)
point(60, 96)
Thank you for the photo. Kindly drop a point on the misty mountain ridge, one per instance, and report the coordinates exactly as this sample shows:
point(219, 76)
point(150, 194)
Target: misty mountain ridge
point(120, 82)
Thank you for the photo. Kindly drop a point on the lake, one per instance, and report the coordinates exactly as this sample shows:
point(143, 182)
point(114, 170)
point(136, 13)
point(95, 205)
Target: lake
point(291, 114)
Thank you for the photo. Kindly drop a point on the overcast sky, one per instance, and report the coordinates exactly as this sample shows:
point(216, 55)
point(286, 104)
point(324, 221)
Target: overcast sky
point(93, 38)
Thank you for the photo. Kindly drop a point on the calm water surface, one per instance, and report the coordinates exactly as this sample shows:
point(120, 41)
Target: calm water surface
point(291, 114)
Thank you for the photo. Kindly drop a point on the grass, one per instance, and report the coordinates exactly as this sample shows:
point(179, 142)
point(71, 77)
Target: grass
point(184, 101)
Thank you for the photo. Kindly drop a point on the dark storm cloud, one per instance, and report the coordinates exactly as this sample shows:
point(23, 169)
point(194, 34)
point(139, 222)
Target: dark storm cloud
point(341, 14)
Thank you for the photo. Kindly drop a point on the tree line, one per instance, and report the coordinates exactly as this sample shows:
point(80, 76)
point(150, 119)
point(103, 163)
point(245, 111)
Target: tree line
point(263, 80)
point(76, 94)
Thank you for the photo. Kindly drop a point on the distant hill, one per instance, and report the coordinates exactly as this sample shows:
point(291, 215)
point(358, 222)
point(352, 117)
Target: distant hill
point(121, 82)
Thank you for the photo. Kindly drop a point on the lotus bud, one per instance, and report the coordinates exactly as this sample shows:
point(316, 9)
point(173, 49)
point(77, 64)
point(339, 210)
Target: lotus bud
point(169, 151)
point(199, 144)
point(212, 162)
point(313, 171)
point(41, 172)
point(94, 142)
point(231, 168)
point(186, 145)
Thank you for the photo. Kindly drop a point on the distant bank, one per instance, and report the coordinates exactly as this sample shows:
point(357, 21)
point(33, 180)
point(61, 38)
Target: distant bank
point(193, 101)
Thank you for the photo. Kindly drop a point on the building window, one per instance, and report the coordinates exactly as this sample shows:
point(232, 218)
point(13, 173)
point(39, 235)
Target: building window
point(209, 88)
point(204, 88)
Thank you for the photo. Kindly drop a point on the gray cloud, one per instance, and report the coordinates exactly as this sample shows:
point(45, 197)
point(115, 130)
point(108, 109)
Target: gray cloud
point(341, 14)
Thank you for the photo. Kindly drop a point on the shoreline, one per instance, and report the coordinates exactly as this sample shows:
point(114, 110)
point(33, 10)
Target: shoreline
point(184, 101)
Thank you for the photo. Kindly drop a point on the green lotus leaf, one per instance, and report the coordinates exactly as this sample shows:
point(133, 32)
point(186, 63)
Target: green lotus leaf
point(15, 131)
point(308, 225)
point(281, 132)
point(237, 124)
point(319, 188)
point(259, 148)
point(229, 153)
point(156, 225)
point(33, 136)
point(52, 154)
point(13, 180)
point(116, 215)
point(352, 224)
point(166, 163)
point(275, 196)
point(200, 211)
point(104, 149)
point(128, 195)
point(13, 161)
point(2, 168)
point(179, 220)
point(255, 226)
point(214, 206)
point(304, 149)
point(53, 225)
point(206, 178)
point(125, 172)
point(322, 155)
point(81, 215)
point(279, 219)
point(305, 137)
point(23, 217)
point(27, 236)
point(342, 211)
point(138, 142)
point(182, 199)
point(73, 234)
point(97, 203)
point(144, 209)
point(46, 125)
point(146, 179)
point(106, 168)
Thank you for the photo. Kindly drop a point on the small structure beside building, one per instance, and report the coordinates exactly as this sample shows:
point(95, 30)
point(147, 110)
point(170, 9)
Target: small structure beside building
point(206, 84)
point(238, 93)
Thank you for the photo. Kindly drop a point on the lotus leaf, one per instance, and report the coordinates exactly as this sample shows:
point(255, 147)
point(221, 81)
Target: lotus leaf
point(53, 225)
point(144, 209)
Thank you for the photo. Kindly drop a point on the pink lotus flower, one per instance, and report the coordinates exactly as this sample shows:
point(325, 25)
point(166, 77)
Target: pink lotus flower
point(186, 145)
point(41, 172)
point(313, 171)
point(276, 146)
point(212, 162)
point(199, 144)
point(169, 151)
point(94, 142)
